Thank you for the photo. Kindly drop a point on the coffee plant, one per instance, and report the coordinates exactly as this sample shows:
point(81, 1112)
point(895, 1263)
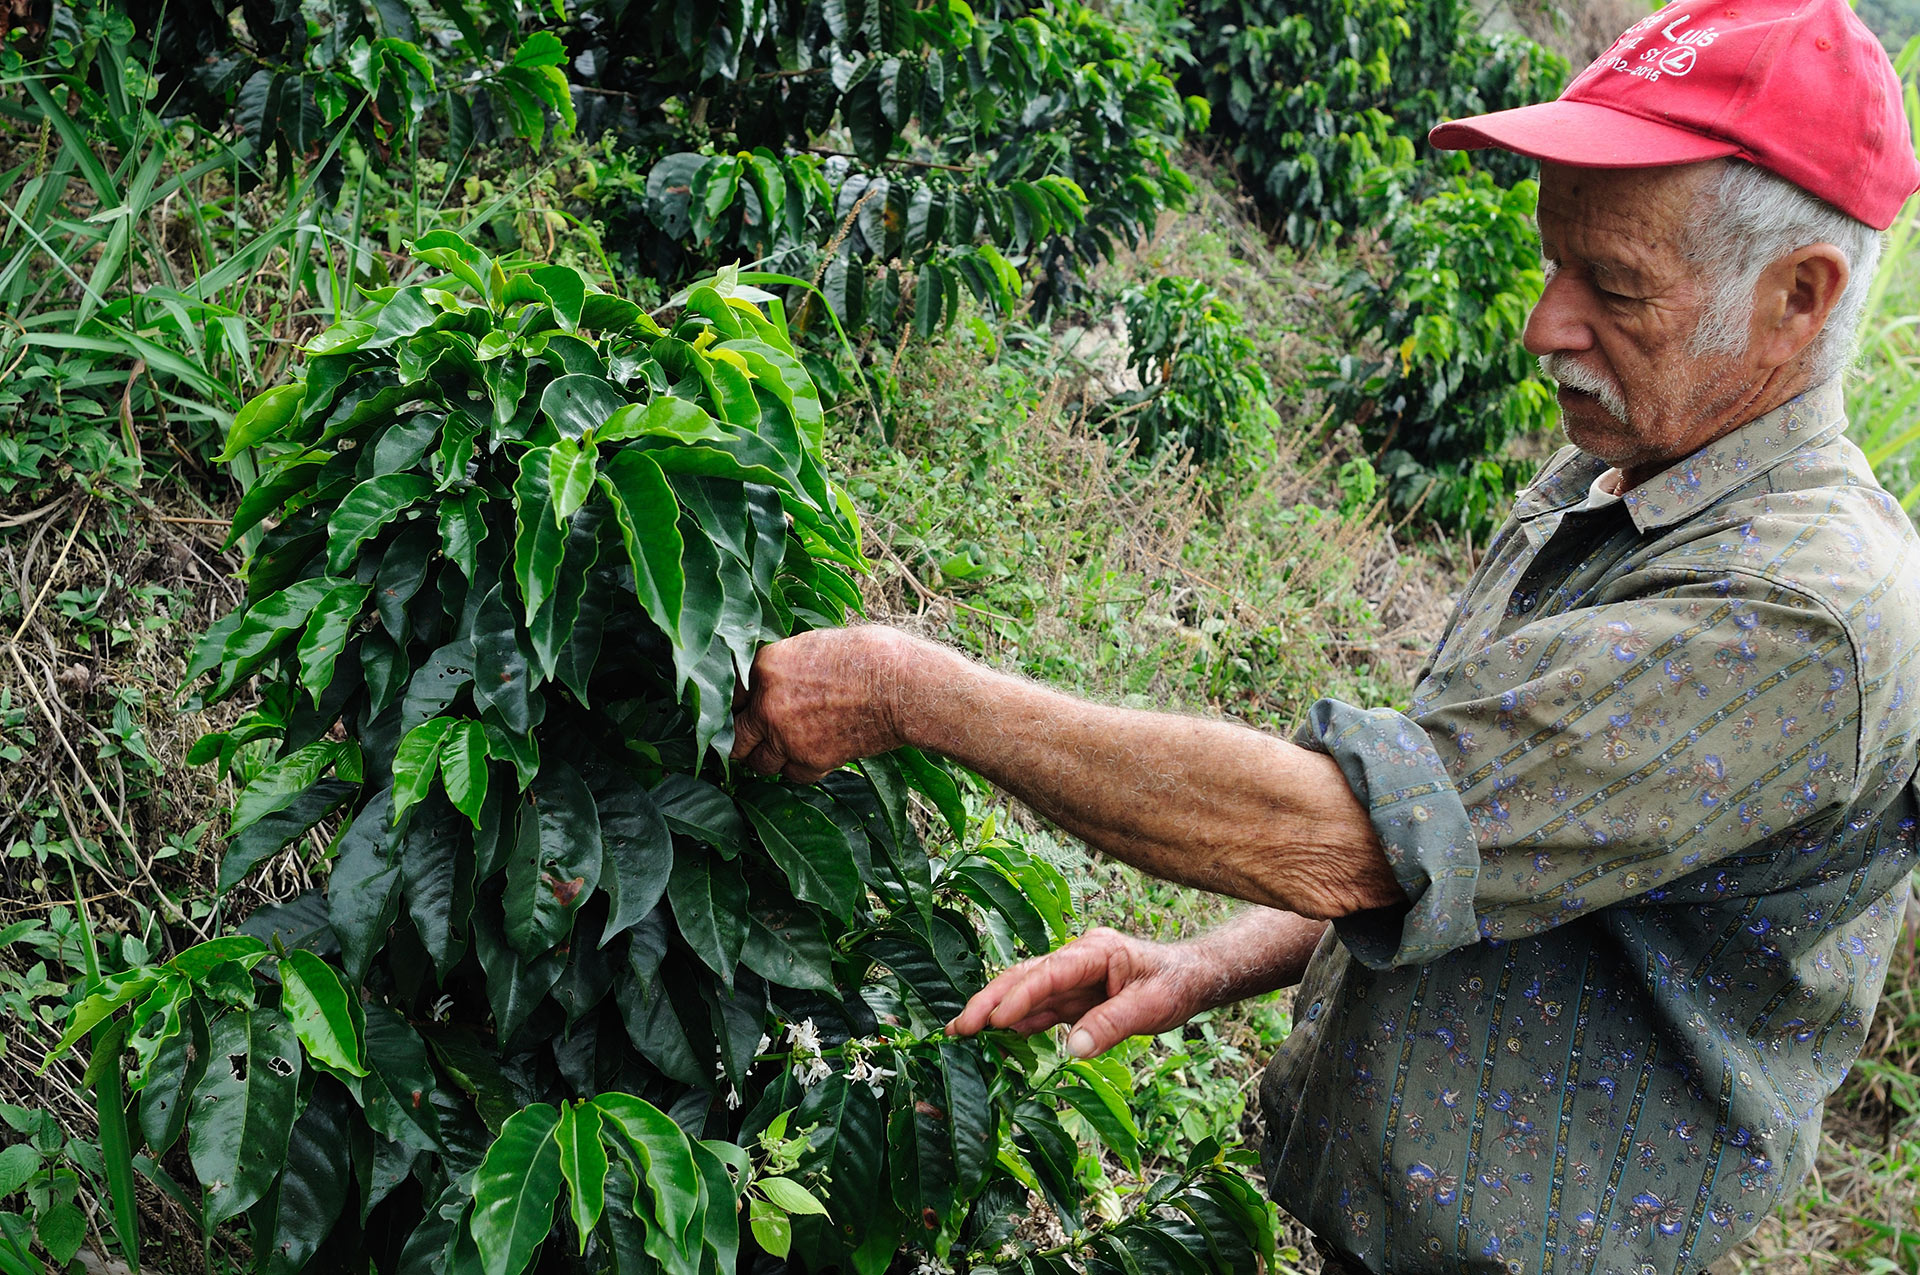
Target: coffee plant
point(1452, 384)
point(903, 153)
point(577, 995)
point(1315, 96)
point(1200, 383)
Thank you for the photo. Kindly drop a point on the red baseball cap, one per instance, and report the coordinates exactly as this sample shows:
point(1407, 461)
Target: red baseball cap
point(1800, 88)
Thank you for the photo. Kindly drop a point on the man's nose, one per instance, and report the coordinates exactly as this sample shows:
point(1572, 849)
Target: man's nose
point(1558, 323)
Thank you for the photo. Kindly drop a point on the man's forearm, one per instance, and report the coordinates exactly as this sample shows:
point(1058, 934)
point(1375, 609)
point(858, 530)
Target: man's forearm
point(1257, 951)
point(1206, 804)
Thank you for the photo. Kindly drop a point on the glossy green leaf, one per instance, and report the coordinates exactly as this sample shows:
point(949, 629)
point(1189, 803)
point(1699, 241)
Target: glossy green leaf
point(809, 847)
point(363, 890)
point(328, 626)
point(264, 416)
point(463, 768)
point(556, 860)
point(366, 509)
point(788, 949)
point(664, 417)
point(515, 1190)
point(570, 477)
point(709, 898)
point(539, 541)
point(318, 1005)
point(415, 762)
point(583, 1164)
point(578, 404)
point(933, 781)
point(276, 787)
point(243, 1109)
point(637, 855)
point(971, 1115)
point(666, 1164)
point(649, 515)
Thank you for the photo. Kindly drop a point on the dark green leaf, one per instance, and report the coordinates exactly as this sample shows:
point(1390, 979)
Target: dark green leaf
point(502, 677)
point(933, 781)
point(363, 892)
point(437, 866)
point(461, 531)
point(270, 834)
point(709, 898)
point(695, 808)
point(971, 1114)
point(788, 949)
point(556, 860)
point(399, 1090)
point(243, 1109)
point(637, 854)
point(809, 847)
point(366, 509)
point(313, 1187)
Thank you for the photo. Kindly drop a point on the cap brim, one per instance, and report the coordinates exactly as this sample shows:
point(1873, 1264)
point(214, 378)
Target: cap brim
point(1583, 135)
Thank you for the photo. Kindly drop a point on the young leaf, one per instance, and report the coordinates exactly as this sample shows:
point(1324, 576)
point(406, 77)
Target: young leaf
point(649, 518)
point(276, 787)
point(789, 1195)
point(771, 1229)
point(515, 1190)
point(461, 531)
point(664, 417)
point(264, 416)
point(583, 1163)
point(539, 541)
point(570, 476)
point(328, 626)
point(415, 761)
point(463, 768)
point(322, 1013)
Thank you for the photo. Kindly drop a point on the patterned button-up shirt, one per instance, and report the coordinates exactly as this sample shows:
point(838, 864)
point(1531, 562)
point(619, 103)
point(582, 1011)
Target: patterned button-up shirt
point(1653, 805)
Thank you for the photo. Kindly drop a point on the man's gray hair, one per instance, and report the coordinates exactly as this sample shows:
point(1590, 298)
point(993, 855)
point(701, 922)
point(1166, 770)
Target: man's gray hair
point(1750, 219)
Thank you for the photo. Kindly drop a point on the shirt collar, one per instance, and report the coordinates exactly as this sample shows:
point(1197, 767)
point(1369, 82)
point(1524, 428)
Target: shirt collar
point(1688, 486)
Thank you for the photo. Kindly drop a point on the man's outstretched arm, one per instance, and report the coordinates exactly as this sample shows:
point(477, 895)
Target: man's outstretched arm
point(1109, 986)
point(1206, 804)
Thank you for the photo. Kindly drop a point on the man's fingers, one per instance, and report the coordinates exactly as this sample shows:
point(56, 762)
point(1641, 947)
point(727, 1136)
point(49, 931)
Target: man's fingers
point(747, 734)
point(1140, 1009)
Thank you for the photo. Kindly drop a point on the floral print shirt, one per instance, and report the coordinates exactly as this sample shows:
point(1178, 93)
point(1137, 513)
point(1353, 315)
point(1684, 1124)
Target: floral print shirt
point(1653, 805)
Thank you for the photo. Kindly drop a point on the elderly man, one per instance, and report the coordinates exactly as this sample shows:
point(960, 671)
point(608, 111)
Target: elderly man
point(1612, 902)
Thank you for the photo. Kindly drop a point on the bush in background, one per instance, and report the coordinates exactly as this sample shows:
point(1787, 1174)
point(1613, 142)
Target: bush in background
point(1315, 97)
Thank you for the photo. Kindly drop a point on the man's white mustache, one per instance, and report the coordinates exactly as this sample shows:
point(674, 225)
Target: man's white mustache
point(1576, 376)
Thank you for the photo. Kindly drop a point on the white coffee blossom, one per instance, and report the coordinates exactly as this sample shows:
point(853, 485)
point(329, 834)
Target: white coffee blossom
point(766, 1043)
point(805, 1037)
point(811, 1071)
point(875, 1077)
point(733, 1098)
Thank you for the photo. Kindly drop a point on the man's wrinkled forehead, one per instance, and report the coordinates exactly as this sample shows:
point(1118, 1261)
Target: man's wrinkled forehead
point(1648, 206)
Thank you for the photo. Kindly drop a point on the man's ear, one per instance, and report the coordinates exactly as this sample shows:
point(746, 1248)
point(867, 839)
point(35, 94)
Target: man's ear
point(1794, 297)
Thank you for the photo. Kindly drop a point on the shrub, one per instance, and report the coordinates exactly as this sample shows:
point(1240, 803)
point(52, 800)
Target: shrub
point(519, 542)
point(1201, 385)
point(1315, 96)
point(906, 153)
point(1453, 386)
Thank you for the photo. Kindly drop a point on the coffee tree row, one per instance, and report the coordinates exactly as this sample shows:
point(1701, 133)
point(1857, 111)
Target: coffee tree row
point(516, 544)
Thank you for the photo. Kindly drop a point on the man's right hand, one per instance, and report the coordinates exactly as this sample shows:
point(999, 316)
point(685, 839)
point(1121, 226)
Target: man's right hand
point(1107, 985)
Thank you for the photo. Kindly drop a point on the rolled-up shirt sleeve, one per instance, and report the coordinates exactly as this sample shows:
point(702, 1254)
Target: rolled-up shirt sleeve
point(1603, 754)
